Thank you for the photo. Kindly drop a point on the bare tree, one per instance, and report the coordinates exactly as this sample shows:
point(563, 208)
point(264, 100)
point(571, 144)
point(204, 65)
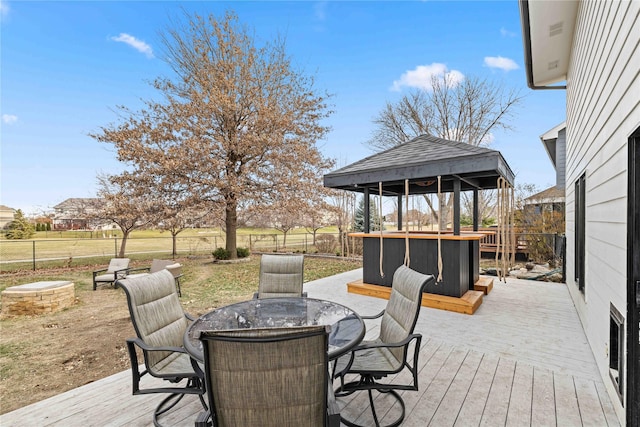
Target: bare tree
point(486, 205)
point(237, 125)
point(285, 215)
point(126, 206)
point(467, 111)
point(318, 212)
point(178, 214)
point(343, 208)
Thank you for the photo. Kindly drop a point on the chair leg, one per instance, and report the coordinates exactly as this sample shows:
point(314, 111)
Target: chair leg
point(164, 406)
point(369, 384)
point(172, 400)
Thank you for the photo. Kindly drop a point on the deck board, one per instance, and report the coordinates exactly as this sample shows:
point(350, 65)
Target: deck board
point(495, 410)
point(522, 359)
point(543, 408)
point(519, 413)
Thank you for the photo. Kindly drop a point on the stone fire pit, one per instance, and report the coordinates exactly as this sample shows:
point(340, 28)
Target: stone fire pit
point(38, 298)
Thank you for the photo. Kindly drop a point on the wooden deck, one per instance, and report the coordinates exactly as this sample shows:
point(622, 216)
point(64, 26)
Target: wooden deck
point(521, 359)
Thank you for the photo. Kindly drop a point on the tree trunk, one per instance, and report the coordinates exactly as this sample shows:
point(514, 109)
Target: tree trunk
point(284, 239)
point(123, 243)
point(231, 225)
point(174, 246)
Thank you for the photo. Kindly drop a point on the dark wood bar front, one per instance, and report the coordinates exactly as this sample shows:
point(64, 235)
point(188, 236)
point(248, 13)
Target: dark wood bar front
point(460, 259)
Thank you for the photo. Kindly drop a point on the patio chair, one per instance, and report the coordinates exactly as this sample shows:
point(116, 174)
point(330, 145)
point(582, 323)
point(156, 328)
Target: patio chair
point(160, 324)
point(281, 380)
point(281, 276)
point(160, 264)
point(117, 269)
point(388, 353)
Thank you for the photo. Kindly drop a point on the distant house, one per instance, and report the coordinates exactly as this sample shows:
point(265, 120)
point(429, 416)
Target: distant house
point(76, 213)
point(592, 49)
point(549, 200)
point(6, 215)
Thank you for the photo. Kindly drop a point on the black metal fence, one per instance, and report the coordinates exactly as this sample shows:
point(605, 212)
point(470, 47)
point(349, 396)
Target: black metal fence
point(33, 254)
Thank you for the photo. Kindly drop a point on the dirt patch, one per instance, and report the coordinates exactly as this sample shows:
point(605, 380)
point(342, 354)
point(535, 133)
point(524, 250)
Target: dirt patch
point(65, 350)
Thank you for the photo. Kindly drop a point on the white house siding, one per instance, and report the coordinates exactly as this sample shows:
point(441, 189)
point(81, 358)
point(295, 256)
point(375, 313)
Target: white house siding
point(603, 109)
point(561, 160)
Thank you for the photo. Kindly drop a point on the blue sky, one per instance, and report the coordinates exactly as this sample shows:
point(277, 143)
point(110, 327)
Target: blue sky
point(65, 66)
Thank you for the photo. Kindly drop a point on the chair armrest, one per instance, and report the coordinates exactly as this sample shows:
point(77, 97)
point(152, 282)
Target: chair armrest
point(137, 341)
point(375, 316)
point(402, 343)
point(189, 316)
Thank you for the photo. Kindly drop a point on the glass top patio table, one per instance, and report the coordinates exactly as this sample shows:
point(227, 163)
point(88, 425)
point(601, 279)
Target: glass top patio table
point(347, 327)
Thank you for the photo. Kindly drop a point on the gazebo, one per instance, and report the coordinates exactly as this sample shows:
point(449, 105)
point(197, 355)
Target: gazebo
point(421, 163)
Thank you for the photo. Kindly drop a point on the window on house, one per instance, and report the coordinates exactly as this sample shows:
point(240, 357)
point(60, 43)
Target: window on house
point(580, 232)
point(616, 349)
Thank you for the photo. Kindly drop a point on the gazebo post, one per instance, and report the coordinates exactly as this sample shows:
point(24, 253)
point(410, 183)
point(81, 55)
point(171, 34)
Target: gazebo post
point(399, 212)
point(476, 211)
point(456, 206)
point(367, 212)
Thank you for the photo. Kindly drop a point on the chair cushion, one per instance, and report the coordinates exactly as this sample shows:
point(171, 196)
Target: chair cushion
point(279, 381)
point(156, 313)
point(105, 278)
point(380, 359)
point(403, 307)
point(117, 264)
point(178, 364)
point(281, 276)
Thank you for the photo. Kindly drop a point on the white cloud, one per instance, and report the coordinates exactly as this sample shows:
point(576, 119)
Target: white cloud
point(9, 119)
point(504, 64)
point(422, 77)
point(506, 33)
point(138, 45)
point(4, 8)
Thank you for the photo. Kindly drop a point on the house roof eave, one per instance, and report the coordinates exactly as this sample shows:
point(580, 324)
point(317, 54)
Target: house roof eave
point(547, 30)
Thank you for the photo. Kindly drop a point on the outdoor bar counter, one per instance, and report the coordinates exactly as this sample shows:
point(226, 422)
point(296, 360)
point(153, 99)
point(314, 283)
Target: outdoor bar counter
point(460, 258)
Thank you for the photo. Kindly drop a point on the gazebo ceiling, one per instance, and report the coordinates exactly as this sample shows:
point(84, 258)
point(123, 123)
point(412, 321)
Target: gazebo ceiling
point(421, 161)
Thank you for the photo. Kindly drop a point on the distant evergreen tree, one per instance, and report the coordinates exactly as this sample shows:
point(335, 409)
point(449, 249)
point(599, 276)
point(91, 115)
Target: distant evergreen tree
point(374, 217)
point(19, 228)
point(48, 226)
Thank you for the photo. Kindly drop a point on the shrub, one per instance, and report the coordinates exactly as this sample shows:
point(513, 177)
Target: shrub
point(221, 253)
point(326, 243)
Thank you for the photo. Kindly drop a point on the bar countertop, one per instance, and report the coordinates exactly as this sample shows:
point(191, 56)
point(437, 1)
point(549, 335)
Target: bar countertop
point(429, 235)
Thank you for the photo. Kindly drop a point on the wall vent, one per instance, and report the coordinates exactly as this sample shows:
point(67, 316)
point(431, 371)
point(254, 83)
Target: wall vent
point(556, 29)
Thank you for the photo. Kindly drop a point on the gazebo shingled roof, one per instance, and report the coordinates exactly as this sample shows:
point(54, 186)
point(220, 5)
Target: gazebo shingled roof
point(422, 160)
